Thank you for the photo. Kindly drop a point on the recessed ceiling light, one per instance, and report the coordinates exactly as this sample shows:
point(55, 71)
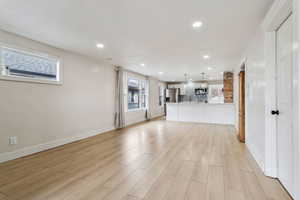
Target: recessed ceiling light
point(143, 64)
point(160, 73)
point(100, 46)
point(209, 68)
point(197, 24)
point(206, 57)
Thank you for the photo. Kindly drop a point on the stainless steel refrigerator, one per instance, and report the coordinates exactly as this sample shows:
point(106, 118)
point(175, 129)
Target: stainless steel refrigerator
point(172, 95)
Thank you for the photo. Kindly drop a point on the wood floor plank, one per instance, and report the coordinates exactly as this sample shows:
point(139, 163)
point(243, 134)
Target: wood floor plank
point(128, 197)
point(122, 190)
point(196, 191)
point(232, 173)
point(160, 188)
point(3, 197)
point(186, 171)
point(200, 173)
point(97, 193)
point(141, 189)
point(215, 185)
point(177, 190)
point(252, 187)
point(156, 160)
point(235, 195)
point(181, 182)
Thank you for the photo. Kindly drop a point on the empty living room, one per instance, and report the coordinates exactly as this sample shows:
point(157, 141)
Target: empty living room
point(149, 100)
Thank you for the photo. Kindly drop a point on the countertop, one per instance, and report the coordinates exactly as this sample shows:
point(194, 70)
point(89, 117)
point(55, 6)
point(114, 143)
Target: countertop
point(200, 103)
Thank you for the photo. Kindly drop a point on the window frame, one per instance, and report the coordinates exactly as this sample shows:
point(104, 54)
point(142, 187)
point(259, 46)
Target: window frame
point(145, 95)
point(30, 52)
point(161, 96)
point(140, 81)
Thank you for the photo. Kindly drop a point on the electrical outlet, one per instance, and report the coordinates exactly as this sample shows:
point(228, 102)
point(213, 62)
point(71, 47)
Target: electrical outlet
point(13, 140)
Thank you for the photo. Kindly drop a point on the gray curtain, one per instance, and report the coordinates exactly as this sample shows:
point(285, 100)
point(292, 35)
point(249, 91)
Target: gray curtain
point(119, 99)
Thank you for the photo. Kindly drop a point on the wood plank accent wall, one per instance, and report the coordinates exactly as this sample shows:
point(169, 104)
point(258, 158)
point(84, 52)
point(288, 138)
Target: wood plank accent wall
point(228, 87)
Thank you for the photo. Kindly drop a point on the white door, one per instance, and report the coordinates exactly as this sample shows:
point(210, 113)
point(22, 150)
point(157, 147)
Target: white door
point(284, 103)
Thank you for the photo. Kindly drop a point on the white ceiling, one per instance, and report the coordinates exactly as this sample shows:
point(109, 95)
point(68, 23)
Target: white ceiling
point(158, 33)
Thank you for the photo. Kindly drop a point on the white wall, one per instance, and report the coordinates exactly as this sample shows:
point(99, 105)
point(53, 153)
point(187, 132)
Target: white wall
point(297, 59)
point(42, 113)
point(132, 117)
point(236, 95)
point(255, 97)
point(43, 116)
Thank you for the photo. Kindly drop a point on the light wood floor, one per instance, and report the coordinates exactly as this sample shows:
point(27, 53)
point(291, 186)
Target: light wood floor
point(157, 160)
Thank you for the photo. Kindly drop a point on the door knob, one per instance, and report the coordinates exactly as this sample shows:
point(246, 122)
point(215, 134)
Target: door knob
point(275, 112)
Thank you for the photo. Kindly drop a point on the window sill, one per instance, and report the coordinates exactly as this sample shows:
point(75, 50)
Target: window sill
point(29, 80)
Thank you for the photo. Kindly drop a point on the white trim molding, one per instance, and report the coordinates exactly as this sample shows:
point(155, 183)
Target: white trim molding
point(296, 10)
point(277, 14)
point(157, 115)
point(46, 146)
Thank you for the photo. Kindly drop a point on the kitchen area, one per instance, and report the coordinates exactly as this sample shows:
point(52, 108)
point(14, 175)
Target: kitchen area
point(202, 101)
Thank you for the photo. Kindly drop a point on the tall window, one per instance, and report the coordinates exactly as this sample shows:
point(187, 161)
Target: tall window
point(18, 64)
point(160, 96)
point(143, 94)
point(137, 94)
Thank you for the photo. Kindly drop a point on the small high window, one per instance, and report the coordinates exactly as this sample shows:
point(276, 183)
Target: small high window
point(27, 66)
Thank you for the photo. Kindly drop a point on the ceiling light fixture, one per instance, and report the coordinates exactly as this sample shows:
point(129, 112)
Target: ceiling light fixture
point(143, 64)
point(160, 73)
point(206, 57)
point(100, 46)
point(209, 68)
point(197, 24)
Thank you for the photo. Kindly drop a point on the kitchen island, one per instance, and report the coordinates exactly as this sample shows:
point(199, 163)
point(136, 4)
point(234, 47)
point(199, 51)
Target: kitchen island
point(201, 112)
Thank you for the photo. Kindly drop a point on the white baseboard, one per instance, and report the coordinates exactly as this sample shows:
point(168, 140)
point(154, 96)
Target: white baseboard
point(271, 172)
point(129, 123)
point(157, 115)
point(45, 146)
